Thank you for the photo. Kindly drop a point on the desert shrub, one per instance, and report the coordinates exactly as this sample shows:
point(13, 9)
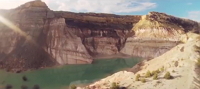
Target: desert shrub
point(148, 74)
point(155, 72)
point(168, 76)
point(158, 71)
point(197, 49)
point(162, 69)
point(143, 80)
point(115, 86)
point(155, 76)
point(137, 77)
point(73, 87)
point(198, 63)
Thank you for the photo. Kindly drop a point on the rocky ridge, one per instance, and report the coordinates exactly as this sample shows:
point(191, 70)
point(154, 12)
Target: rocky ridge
point(78, 38)
point(151, 25)
point(181, 61)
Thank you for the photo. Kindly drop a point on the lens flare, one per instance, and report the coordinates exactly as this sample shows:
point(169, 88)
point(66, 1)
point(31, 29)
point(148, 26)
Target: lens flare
point(16, 29)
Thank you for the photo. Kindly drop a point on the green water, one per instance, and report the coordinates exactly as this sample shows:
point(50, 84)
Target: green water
point(61, 77)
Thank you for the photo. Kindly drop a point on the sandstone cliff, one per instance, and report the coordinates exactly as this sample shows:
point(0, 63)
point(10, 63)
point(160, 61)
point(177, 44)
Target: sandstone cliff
point(64, 46)
point(152, 25)
point(39, 37)
point(19, 52)
point(156, 33)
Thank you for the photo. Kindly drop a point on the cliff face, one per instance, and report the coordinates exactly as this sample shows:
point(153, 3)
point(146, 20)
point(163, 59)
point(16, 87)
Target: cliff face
point(147, 48)
point(152, 25)
point(64, 46)
point(21, 38)
point(101, 34)
point(156, 33)
point(39, 37)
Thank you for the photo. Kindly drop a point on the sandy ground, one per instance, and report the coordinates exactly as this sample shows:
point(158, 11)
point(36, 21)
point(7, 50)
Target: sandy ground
point(184, 55)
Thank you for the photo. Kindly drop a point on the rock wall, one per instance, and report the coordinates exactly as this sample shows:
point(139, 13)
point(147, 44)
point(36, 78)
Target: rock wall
point(100, 38)
point(161, 26)
point(64, 46)
point(38, 37)
point(147, 48)
point(22, 38)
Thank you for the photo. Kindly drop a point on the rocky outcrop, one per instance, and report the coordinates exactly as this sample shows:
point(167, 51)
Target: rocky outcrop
point(101, 34)
point(156, 33)
point(147, 48)
point(21, 38)
point(63, 45)
point(162, 26)
point(38, 37)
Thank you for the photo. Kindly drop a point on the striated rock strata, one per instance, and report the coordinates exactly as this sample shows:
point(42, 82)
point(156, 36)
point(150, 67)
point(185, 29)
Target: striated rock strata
point(64, 46)
point(39, 37)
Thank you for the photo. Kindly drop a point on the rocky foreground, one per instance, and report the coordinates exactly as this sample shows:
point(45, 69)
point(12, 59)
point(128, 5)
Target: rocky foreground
point(182, 62)
point(38, 37)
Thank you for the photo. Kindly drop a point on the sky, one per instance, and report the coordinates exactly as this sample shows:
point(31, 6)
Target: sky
point(180, 8)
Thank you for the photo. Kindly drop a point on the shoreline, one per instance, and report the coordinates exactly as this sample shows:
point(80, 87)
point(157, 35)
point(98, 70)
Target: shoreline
point(119, 55)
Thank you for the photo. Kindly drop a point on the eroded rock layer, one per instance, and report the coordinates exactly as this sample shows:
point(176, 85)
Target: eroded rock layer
point(32, 36)
point(161, 26)
point(64, 46)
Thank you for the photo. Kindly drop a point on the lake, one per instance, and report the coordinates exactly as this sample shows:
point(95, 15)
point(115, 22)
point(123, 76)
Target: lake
point(62, 77)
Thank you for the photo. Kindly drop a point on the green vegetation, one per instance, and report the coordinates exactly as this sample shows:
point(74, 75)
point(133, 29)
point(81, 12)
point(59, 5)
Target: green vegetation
point(155, 76)
point(137, 77)
point(168, 76)
point(143, 80)
point(73, 87)
point(162, 69)
point(148, 74)
point(115, 86)
point(197, 49)
point(158, 71)
point(198, 63)
point(155, 72)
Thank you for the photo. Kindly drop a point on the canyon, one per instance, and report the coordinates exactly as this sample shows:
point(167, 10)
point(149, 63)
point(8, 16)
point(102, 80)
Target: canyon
point(32, 36)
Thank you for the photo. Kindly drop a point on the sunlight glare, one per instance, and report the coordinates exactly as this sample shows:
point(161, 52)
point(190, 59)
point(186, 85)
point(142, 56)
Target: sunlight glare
point(16, 29)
